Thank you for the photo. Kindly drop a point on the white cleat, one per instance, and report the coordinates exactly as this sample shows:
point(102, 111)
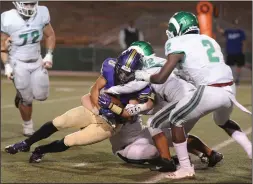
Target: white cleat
point(28, 130)
point(182, 173)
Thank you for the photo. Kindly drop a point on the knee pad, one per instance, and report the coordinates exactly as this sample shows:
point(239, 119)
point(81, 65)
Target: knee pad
point(41, 95)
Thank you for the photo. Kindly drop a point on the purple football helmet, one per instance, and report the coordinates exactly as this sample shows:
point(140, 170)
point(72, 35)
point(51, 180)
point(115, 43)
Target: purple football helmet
point(127, 63)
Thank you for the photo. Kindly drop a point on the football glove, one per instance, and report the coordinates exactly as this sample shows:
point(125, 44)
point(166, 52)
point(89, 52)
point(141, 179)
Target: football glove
point(142, 75)
point(106, 112)
point(48, 60)
point(133, 109)
point(8, 71)
point(104, 100)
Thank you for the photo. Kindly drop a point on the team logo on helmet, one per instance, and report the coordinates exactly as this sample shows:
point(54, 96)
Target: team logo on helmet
point(182, 23)
point(127, 63)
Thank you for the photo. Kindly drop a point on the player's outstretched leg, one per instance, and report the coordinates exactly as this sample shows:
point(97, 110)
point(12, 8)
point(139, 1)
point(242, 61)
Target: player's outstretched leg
point(234, 131)
point(45, 131)
point(53, 147)
point(206, 154)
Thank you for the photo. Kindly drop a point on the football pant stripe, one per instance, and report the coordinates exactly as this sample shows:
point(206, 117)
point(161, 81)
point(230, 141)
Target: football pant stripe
point(187, 108)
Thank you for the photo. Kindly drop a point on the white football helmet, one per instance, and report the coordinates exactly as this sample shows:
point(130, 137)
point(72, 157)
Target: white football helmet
point(26, 8)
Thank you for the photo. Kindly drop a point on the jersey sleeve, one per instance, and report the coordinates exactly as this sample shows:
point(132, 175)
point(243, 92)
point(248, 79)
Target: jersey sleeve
point(172, 46)
point(130, 87)
point(45, 15)
point(107, 71)
point(4, 27)
point(145, 94)
point(153, 62)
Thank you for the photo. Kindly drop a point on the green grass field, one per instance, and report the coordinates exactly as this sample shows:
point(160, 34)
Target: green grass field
point(96, 163)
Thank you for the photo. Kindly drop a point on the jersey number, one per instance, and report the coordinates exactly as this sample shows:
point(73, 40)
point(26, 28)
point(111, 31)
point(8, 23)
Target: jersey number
point(210, 51)
point(35, 35)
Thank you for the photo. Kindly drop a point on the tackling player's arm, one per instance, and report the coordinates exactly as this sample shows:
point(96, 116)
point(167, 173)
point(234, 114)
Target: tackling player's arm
point(167, 69)
point(132, 109)
point(4, 48)
point(95, 90)
point(49, 35)
point(5, 39)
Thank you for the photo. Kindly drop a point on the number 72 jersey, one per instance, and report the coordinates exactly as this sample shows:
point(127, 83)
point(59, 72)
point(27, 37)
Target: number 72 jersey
point(25, 34)
point(203, 60)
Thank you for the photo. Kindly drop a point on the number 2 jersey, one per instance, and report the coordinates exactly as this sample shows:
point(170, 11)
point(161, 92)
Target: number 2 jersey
point(203, 62)
point(25, 34)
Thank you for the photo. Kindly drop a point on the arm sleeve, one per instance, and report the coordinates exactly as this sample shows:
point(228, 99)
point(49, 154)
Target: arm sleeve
point(122, 39)
point(130, 87)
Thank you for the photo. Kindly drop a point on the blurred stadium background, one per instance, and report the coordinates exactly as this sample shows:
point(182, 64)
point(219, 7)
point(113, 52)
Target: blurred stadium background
point(87, 33)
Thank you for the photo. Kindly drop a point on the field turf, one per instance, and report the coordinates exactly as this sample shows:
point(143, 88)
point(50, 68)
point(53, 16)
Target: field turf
point(96, 163)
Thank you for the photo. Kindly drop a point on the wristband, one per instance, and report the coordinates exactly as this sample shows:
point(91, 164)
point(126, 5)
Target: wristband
point(49, 51)
point(116, 109)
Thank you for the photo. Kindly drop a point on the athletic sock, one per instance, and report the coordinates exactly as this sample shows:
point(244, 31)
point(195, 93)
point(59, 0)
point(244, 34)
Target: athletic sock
point(53, 147)
point(242, 139)
point(45, 131)
point(182, 154)
point(28, 123)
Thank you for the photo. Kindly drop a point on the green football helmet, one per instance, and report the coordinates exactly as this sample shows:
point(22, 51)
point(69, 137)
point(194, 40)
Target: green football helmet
point(143, 48)
point(182, 23)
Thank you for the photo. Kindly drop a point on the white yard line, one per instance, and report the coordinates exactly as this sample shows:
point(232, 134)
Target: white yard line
point(217, 147)
point(46, 102)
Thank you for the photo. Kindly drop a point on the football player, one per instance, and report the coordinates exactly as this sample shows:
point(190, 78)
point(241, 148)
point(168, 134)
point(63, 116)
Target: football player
point(22, 30)
point(171, 91)
point(201, 59)
point(94, 127)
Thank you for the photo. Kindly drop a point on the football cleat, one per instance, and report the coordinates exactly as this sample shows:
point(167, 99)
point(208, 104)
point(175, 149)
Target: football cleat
point(36, 156)
point(182, 173)
point(18, 147)
point(214, 158)
point(164, 165)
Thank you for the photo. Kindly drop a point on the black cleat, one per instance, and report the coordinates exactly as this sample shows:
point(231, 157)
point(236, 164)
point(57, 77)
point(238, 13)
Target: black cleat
point(214, 158)
point(36, 156)
point(165, 165)
point(18, 147)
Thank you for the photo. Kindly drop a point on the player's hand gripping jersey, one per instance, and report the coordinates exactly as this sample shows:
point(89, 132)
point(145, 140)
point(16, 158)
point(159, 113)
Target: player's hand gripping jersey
point(25, 34)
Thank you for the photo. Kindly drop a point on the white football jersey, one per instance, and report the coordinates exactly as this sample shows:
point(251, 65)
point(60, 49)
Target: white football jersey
point(203, 62)
point(25, 34)
point(174, 89)
point(127, 134)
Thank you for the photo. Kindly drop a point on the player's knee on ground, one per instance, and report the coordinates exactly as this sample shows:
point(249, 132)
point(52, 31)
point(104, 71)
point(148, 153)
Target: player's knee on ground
point(140, 152)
